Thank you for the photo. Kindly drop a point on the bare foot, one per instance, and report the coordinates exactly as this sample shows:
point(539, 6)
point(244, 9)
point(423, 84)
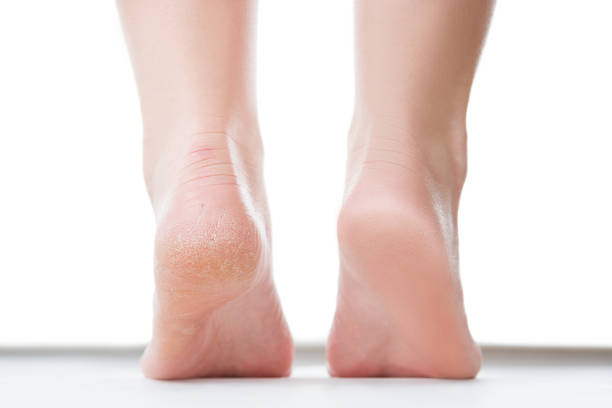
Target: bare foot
point(216, 309)
point(400, 308)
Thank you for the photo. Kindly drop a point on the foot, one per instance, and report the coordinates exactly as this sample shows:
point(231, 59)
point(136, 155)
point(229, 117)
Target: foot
point(216, 309)
point(400, 309)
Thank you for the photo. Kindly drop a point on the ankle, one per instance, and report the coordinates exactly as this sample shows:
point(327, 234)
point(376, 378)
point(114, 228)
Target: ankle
point(440, 149)
point(168, 152)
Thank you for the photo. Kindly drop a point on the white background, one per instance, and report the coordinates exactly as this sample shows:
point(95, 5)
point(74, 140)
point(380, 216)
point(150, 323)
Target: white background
point(76, 227)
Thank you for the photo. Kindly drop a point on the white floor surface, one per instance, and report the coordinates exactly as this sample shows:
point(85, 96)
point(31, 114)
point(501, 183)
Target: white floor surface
point(511, 377)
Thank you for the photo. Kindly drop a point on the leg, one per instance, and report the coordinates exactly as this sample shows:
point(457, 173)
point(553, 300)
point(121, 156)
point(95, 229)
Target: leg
point(216, 308)
point(400, 308)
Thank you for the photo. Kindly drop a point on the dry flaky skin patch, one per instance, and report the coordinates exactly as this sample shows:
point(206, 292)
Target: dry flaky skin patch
point(216, 243)
point(220, 249)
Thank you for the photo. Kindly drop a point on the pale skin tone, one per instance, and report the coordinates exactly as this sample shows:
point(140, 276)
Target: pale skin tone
point(400, 308)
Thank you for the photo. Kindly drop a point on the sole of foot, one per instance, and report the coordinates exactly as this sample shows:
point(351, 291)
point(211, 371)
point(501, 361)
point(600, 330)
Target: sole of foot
point(400, 308)
point(216, 311)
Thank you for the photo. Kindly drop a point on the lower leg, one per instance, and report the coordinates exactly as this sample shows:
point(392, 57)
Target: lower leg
point(216, 309)
point(400, 309)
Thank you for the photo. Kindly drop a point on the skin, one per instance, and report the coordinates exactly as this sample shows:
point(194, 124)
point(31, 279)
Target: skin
point(216, 309)
point(400, 309)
